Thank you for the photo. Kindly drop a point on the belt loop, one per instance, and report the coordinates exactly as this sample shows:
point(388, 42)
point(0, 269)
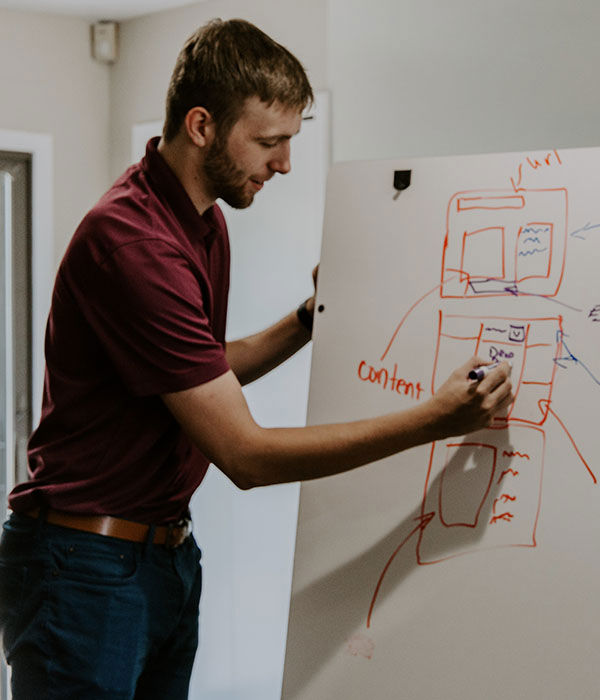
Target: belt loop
point(149, 540)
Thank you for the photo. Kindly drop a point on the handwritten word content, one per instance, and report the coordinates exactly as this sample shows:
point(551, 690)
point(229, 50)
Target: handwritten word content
point(385, 380)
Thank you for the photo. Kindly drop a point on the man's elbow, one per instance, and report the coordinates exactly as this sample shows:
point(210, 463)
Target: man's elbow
point(246, 471)
point(242, 479)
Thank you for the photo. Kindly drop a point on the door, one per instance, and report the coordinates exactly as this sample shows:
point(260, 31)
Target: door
point(15, 318)
point(15, 329)
point(5, 359)
point(5, 334)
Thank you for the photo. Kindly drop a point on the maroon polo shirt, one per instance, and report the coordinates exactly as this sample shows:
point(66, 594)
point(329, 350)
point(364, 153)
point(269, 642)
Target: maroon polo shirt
point(138, 309)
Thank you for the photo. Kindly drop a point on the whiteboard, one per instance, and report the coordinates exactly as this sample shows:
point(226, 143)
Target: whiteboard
point(466, 569)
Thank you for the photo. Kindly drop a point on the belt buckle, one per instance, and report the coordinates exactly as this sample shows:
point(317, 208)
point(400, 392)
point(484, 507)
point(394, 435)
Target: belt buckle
point(177, 533)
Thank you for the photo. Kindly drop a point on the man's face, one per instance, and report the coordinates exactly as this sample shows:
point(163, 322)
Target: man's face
point(257, 147)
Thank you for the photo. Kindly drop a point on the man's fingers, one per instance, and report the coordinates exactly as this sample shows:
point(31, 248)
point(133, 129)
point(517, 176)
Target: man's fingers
point(473, 363)
point(496, 377)
point(502, 396)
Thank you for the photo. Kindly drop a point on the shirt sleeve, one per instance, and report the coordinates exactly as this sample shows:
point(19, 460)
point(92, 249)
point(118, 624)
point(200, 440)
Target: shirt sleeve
point(151, 309)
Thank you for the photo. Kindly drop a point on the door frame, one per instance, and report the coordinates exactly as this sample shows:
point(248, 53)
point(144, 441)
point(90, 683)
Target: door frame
point(40, 147)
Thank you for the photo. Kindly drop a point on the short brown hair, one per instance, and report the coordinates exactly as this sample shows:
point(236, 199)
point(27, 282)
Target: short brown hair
point(223, 64)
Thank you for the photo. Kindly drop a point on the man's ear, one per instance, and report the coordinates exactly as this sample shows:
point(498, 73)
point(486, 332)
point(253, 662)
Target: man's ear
point(200, 126)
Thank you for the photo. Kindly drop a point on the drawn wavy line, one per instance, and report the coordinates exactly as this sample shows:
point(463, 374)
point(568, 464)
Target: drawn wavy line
point(515, 454)
point(504, 498)
point(506, 517)
point(524, 253)
point(514, 472)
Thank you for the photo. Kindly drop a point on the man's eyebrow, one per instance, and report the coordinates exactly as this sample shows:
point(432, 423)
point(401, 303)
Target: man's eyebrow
point(276, 137)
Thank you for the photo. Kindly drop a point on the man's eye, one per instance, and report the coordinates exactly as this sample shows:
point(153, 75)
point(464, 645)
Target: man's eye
point(268, 144)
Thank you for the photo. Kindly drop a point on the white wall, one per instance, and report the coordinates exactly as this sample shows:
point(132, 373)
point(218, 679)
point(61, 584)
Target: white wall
point(407, 78)
point(431, 77)
point(50, 84)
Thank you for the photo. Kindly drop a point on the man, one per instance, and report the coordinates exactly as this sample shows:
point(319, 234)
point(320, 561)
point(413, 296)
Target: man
point(99, 579)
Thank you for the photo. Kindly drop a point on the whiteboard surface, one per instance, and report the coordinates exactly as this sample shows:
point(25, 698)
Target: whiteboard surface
point(467, 569)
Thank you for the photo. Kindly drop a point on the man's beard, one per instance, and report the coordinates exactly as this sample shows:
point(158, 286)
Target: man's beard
point(227, 181)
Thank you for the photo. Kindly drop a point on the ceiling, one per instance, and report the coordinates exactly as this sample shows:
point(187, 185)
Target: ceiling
point(93, 10)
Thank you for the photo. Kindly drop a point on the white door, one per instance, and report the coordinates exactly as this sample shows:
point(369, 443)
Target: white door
point(5, 359)
point(6, 374)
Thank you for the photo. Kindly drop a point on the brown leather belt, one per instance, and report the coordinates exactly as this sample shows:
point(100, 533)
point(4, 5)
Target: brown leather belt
point(170, 536)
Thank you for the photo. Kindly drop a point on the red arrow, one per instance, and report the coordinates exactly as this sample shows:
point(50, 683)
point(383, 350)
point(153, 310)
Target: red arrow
point(423, 522)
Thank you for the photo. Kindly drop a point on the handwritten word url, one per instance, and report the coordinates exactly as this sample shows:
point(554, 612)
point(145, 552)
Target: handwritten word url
point(385, 380)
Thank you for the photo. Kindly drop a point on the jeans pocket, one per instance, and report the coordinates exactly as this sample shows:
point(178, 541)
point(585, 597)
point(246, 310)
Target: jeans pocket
point(97, 561)
point(12, 585)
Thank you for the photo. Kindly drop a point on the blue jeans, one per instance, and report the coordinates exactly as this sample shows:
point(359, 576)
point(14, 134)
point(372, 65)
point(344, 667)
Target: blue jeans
point(94, 617)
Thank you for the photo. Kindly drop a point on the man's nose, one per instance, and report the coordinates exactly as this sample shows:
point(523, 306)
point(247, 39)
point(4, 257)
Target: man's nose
point(280, 163)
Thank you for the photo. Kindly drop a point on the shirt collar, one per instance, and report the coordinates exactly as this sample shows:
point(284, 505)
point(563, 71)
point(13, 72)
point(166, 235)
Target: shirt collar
point(174, 192)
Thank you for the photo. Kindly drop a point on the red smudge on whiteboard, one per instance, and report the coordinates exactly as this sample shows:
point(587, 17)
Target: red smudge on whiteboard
point(360, 645)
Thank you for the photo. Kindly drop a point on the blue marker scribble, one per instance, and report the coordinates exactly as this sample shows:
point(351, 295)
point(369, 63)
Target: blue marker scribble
point(570, 357)
point(533, 239)
point(533, 251)
point(588, 227)
point(531, 229)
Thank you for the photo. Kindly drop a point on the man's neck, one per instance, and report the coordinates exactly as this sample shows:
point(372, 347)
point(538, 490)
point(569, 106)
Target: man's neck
point(184, 161)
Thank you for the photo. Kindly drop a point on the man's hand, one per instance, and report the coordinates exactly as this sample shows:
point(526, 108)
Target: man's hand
point(310, 304)
point(254, 356)
point(464, 405)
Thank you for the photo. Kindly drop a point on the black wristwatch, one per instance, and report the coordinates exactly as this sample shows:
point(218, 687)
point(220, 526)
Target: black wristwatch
point(304, 316)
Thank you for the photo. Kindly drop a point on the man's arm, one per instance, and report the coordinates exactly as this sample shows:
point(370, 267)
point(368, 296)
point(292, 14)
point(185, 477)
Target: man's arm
point(251, 357)
point(217, 419)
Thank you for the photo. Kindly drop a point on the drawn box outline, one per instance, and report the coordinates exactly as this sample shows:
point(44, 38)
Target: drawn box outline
point(494, 459)
point(482, 319)
point(489, 197)
point(425, 515)
point(465, 277)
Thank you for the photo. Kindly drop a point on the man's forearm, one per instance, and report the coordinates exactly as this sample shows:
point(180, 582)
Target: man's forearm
point(251, 357)
point(216, 417)
point(298, 454)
